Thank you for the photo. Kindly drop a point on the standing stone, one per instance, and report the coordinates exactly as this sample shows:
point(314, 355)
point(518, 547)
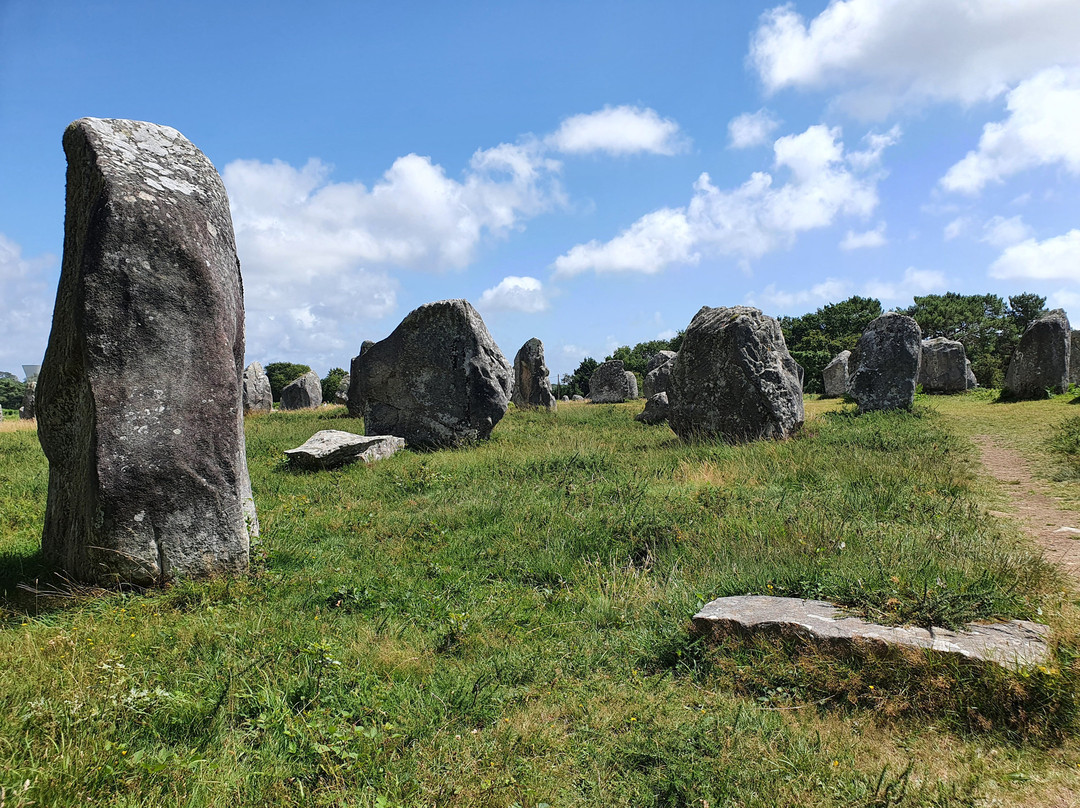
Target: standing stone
point(257, 394)
point(355, 400)
point(658, 373)
point(565, 398)
point(531, 386)
point(734, 378)
point(970, 382)
point(140, 414)
point(576, 397)
point(943, 366)
point(341, 395)
point(438, 380)
point(836, 375)
point(303, 393)
point(1074, 358)
point(608, 383)
point(631, 385)
point(656, 410)
point(885, 364)
point(27, 410)
point(1040, 362)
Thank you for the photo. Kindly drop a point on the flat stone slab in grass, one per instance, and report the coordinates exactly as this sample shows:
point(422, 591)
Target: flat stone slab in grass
point(1015, 644)
point(332, 448)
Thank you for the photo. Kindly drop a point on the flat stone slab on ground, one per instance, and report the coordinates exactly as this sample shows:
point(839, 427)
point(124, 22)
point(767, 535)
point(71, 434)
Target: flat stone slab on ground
point(1015, 644)
point(332, 448)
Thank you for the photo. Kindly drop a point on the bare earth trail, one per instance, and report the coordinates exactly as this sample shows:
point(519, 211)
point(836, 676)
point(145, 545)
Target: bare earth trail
point(1038, 514)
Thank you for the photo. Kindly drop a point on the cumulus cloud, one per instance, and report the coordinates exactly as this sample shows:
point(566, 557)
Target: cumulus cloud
point(746, 222)
point(1044, 117)
point(751, 129)
point(1056, 258)
point(1001, 232)
point(618, 131)
point(868, 238)
point(830, 290)
point(915, 282)
point(28, 291)
point(881, 54)
point(833, 290)
point(514, 293)
point(957, 227)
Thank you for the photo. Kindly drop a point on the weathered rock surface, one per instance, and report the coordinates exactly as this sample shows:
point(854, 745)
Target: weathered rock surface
point(341, 395)
point(734, 378)
point(1074, 358)
point(1042, 358)
point(140, 412)
point(332, 448)
point(303, 393)
point(532, 389)
point(835, 375)
point(943, 366)
point(658, 373)
point(355, 401)
point(438, 380)
point(656, 410)
point(970, 382)
point(257, 394)
point(1016, 644)
point(631, 385)
point(28, 410)
point(884, 367)
point(565, 398)
point(608, 384)
point(576, 397)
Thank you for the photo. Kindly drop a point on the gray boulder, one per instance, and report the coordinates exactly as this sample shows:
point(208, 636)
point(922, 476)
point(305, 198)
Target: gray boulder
point(631, 385)
point(576, 397)
point(28, 409)
point(656, 410)
point(608, 383)
point(943, 366)
point(1074, 358)
point(565, 398)
point(257, 395)
point(531, 386)
point(658, 373)
point(438, 380)
point(140, 412)
point(355, 396)
point(332, 448)
point(885, 364)
point(734, 378)
point(341, 395)
point(659, 359)
point(303, 393)
point(835, 375)
point(1041, 360)
point(970, 382)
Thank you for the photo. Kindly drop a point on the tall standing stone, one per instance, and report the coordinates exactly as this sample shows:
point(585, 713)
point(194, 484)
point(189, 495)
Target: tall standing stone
point(885, 364)
point(28, 410)
point(257, 394)
point(1040, 363)
point(943, 366)
point(608, 383)
point(438, 380)
point(531, 386)
point(658, 373)
point(835, 375)
point(734, 378)
point(631, 385)
point(355, 397)
point(140, 411)
point(1074, 358)
point(302, 393)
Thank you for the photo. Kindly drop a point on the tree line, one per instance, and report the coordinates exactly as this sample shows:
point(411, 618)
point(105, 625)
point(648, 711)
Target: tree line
point(989, 327)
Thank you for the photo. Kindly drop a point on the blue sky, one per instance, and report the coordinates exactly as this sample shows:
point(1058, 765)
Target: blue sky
point(587, 173)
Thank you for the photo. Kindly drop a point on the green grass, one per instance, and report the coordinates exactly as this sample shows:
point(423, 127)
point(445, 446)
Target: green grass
point(507, 624)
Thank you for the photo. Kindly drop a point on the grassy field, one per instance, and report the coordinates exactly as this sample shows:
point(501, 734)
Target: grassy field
point(508, 625)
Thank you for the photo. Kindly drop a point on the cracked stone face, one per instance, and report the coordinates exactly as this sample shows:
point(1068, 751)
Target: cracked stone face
point(139, 396)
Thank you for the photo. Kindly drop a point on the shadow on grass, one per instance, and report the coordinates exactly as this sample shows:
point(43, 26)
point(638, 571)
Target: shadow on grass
point(30, 587)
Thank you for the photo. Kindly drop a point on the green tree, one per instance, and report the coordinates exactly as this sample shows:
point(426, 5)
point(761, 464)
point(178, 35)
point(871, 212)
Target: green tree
point(281, 374)
point(636, 359)
point(578, 383)
point(815, 338)
point(330, 384)
point(11, 392)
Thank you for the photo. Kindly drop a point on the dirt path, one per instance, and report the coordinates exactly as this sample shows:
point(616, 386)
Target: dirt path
point(1037, 513)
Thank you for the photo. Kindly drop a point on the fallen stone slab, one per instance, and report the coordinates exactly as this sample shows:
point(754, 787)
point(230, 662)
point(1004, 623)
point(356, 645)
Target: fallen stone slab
point(1015, 644)
point(332, 448)
point(1069, 531)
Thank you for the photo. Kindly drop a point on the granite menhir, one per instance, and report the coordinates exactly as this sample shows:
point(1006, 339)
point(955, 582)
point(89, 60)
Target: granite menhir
point(139, 397)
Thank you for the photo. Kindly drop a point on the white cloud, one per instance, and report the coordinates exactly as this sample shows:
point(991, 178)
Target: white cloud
point(746, 222)
point(915, 282)
point(1001, 232)
point(617, 131)
point(514, 293)
point(1044, 118)
point(957, 227)
point(28, 291)
point(1056, 258)
point(880, 54)
point(830, 290)
point(869, 238)
point(751, 129)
